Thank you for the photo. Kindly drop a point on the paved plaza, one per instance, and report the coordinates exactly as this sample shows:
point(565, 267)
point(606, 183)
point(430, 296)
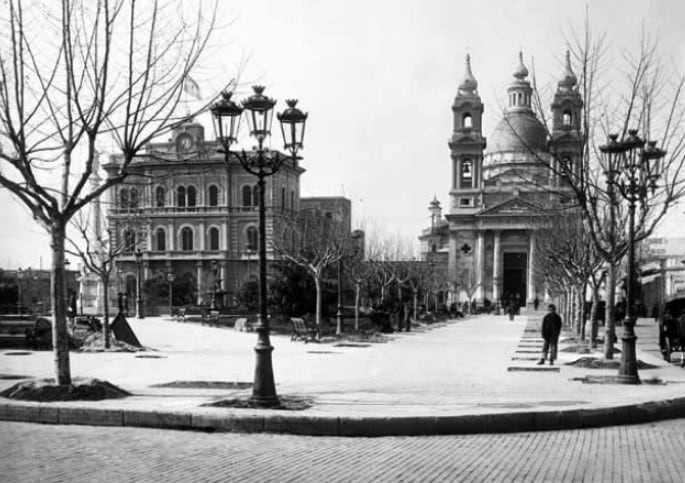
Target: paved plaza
point(478, 366)
point(637, 453)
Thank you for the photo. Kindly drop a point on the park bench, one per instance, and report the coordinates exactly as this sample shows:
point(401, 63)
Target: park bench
point(179, 314)
point(242, 324)
point(210, 317)
point(302, 331)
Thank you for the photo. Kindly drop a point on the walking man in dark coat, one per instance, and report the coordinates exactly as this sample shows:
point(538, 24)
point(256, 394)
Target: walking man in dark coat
point(551, 328)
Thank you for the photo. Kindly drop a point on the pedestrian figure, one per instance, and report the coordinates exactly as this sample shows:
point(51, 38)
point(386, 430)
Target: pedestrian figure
point(399, 315)
point(536, 303)
point(120, 301)
point(551, 328)
point(511, 310)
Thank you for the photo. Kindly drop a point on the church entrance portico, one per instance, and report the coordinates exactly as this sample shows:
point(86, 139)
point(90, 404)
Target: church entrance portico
point(514, 268)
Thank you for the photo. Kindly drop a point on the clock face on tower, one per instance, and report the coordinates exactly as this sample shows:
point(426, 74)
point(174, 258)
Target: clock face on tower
point(185, 142)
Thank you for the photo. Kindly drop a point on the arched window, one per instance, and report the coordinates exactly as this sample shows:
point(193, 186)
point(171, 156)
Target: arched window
point(467, 121)
point(252, 238)
point(283, 198)
point(466, 174)
point(247, 195)
point(133, 198)
point(566, 167)
point(213, 238)
point(181, 196)
point(292, 200)
point(255, 195)
point(186, 239)
point(191, 196)
point(123, 198)
point(160, 240)
point(129, 240)
point(566, 118)
point(160, 197)
point(519, 99)
point(213, 196)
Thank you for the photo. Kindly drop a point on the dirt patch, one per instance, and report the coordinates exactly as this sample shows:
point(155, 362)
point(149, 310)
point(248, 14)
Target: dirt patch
point(18, 353)
point(205, 385)
point(599, 363)
point(95, 343)
point(149, 356)
point(12, 377)
point(81, 389)
point(615, 380)
point(285, 403)
point(351, 344)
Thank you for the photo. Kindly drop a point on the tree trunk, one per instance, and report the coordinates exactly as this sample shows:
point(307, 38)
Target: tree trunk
point(105, 318)
point(593, 316)
point(357, 297)
point(580, 310)
point(60, 336)
point(317, 283)
point(609, 314)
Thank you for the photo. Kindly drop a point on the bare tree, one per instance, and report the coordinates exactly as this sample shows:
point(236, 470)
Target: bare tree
point(98, 248)
point(313, 242)
point(72, 73)
point(643, 93)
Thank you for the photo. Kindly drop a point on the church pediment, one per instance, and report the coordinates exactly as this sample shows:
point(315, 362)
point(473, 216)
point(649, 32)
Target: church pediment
point(512, 206)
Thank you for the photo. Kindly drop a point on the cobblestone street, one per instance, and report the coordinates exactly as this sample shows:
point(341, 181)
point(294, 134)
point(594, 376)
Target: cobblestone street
point(645, 453)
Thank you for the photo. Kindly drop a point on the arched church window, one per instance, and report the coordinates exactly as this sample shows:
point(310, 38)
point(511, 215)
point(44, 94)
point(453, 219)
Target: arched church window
point(466, 173)
point(187, 239)
point(129, 241)
point(519, 99)
point(251, 234)
point(123, 198)
point(133, 198)
point(213, 196)
point(467, 121)
point(181, 196)
point(160, 195)
point(566, 118)
point(213, 238)
point(160, 236)
point(191, 196)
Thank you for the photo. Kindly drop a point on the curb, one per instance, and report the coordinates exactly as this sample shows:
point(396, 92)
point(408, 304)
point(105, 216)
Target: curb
point(349, 426)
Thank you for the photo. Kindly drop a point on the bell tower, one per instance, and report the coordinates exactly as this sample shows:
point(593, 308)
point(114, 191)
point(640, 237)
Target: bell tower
point(466, 144)
point(566, 142)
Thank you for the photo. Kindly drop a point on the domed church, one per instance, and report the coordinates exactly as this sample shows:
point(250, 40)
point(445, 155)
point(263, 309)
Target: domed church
point(500, 186)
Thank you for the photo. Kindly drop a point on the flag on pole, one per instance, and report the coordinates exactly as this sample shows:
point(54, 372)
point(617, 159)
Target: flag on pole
point(191, 88)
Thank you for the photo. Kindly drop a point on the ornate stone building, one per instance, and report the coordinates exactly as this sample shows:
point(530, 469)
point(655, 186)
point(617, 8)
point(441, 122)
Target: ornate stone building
point(195, 216)
point(501, 187)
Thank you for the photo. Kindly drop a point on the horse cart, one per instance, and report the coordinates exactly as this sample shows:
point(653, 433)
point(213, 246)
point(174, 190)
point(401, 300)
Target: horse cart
point(672, 329)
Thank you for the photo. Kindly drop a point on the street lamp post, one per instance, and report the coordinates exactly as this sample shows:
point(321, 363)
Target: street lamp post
point(215, 271)
point(339, 313)
point(139, 286)
point(170, 277)
point(633, 170)
point(20, 275)
point(261, 162)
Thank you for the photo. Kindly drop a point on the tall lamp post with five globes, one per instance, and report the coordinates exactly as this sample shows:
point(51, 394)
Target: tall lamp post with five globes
point(260, 162)
point(633, 168)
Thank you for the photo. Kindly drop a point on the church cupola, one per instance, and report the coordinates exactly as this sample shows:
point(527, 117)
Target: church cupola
point(520, 92)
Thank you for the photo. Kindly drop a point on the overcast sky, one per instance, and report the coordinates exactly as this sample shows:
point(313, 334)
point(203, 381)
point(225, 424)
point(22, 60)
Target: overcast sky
point(378, 79)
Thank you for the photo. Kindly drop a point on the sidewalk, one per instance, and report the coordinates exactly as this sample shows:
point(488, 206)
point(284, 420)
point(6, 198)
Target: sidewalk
point(465, 376)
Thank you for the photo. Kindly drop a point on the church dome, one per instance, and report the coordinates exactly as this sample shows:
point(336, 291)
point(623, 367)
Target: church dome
point(518, 131)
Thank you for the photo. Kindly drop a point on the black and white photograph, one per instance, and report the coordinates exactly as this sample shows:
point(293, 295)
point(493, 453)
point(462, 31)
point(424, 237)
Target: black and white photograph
point(342, 241)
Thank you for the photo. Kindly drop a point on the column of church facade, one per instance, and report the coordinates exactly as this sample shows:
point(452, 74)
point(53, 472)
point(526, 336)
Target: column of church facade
point(480, 265)
point(496, 269)
point(531, 268)
point(200, 282)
